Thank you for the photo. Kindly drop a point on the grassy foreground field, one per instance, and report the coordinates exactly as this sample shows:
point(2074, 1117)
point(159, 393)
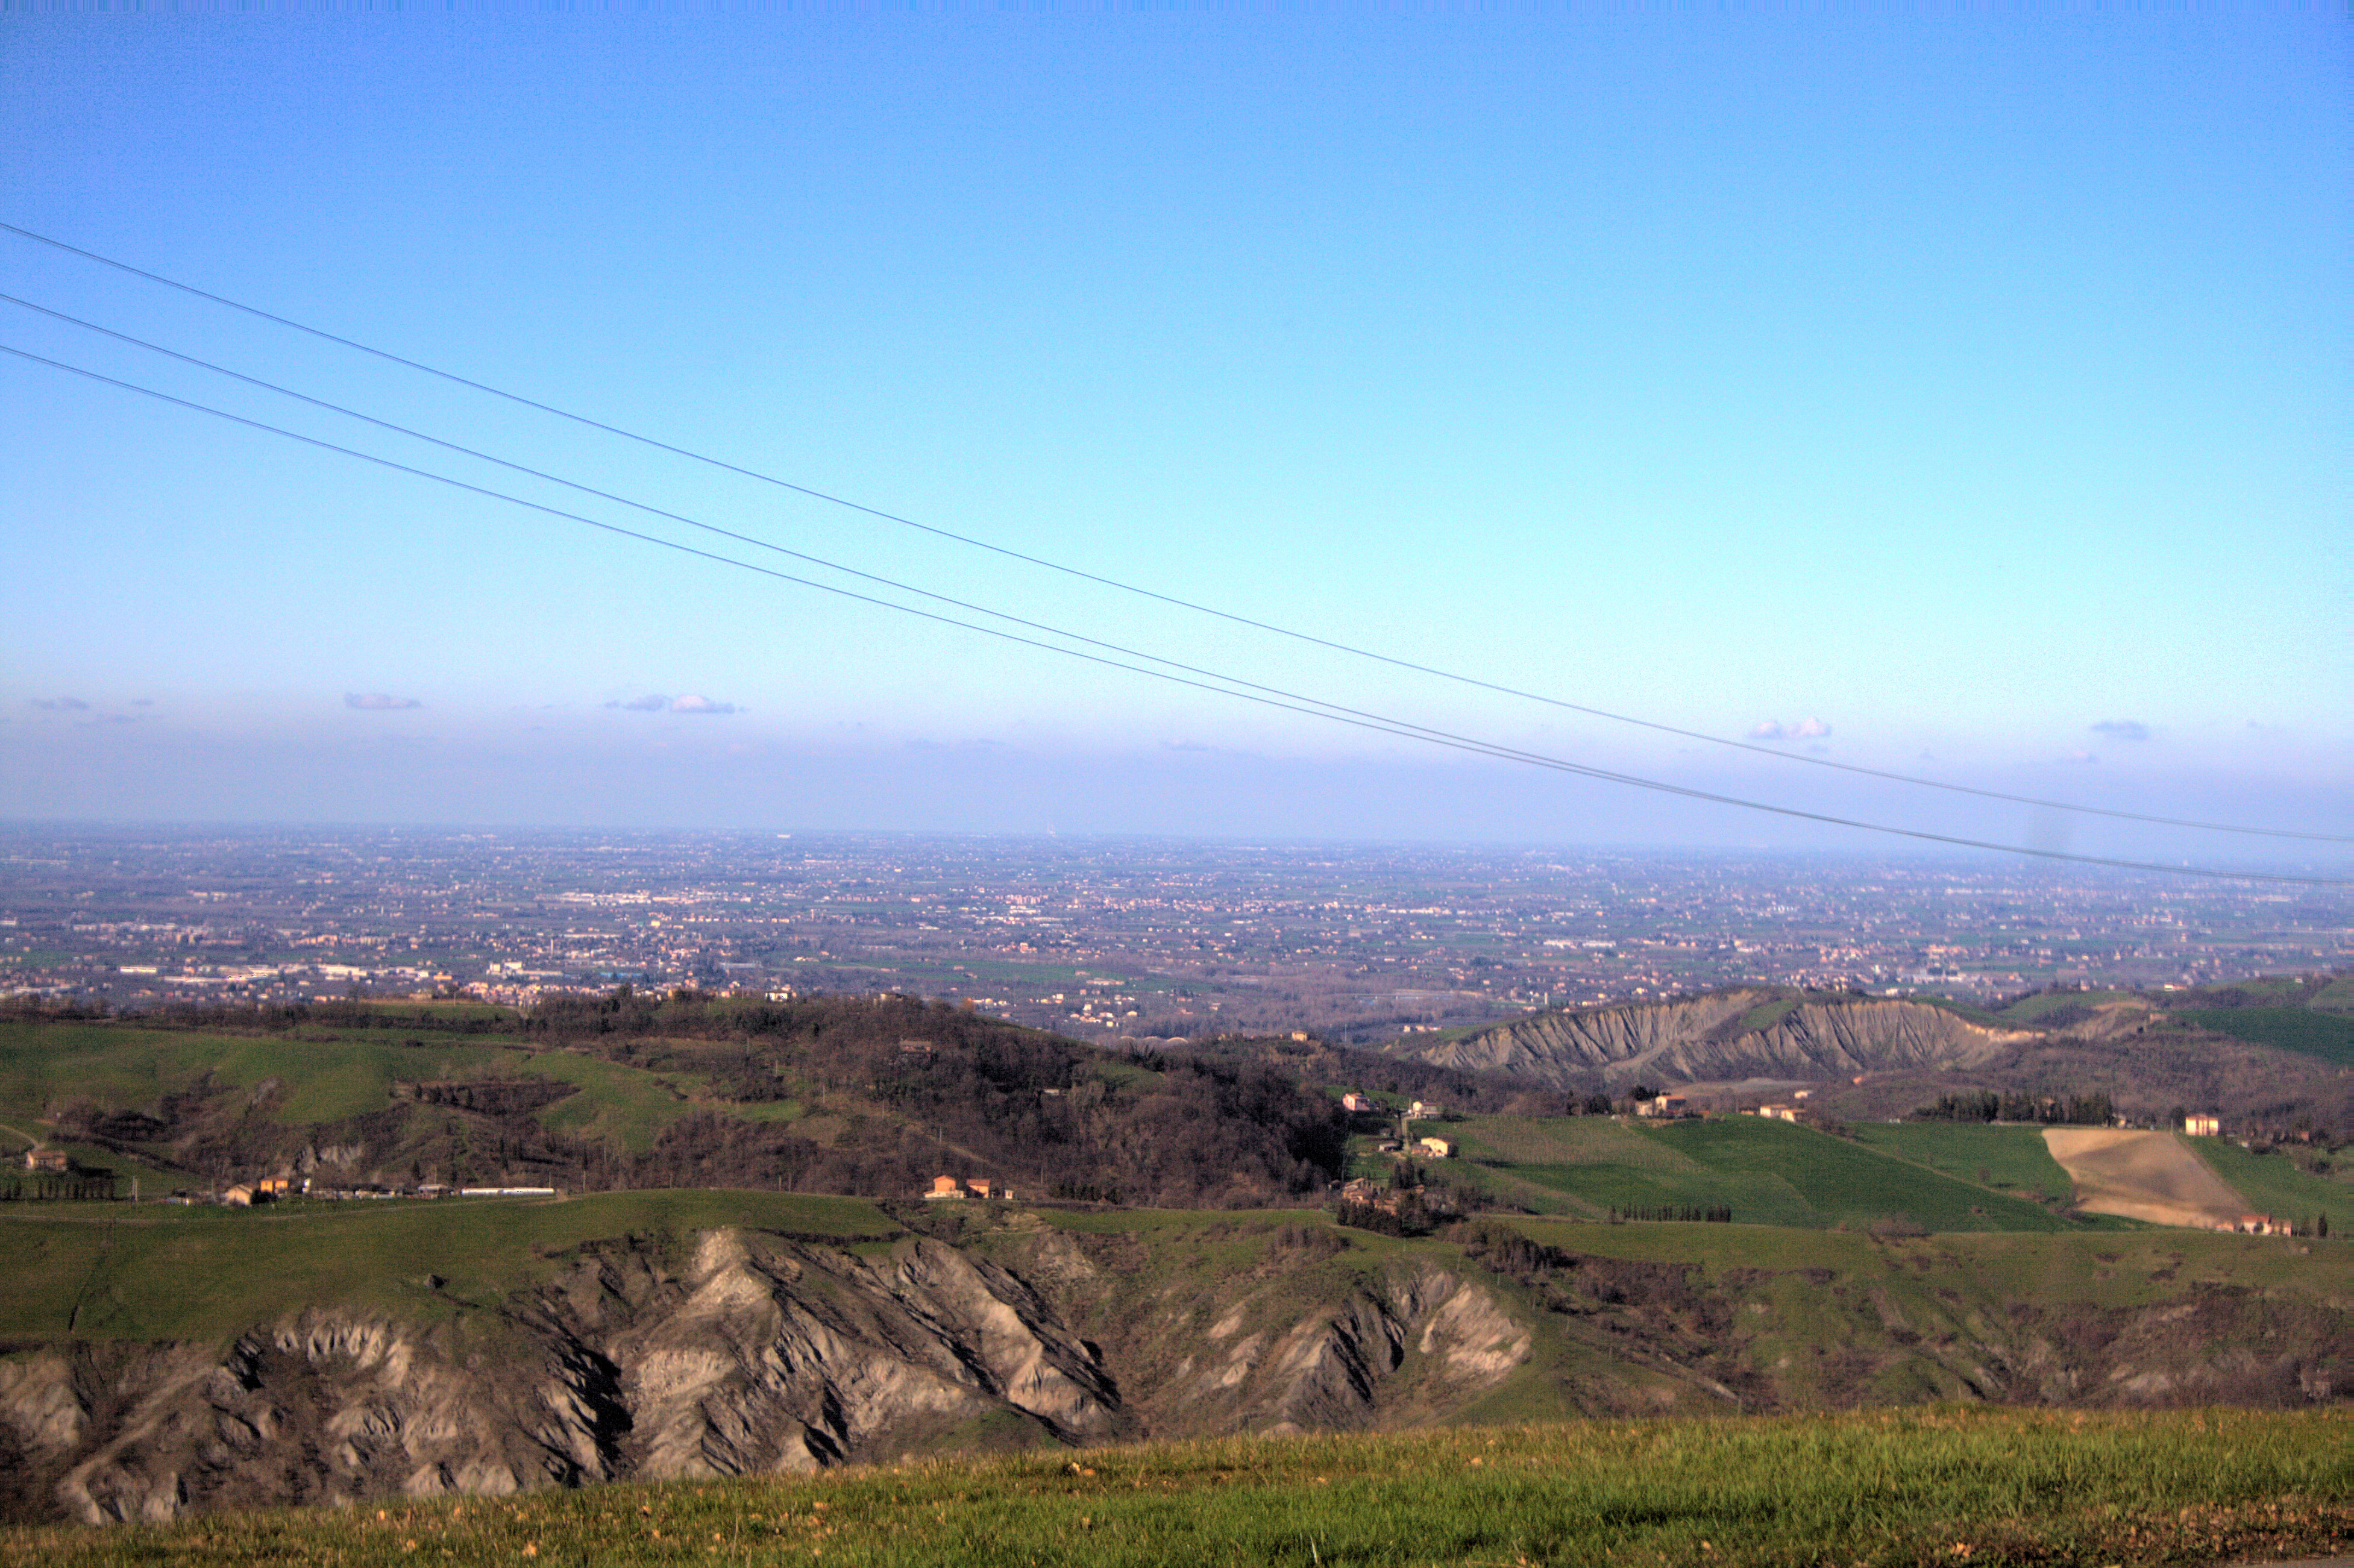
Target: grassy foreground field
point(1944, 1487)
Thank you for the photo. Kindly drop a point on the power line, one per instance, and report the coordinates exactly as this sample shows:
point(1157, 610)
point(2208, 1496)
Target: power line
point(711, 528)
point(820, 560)
point(1228, 616)
point(1288, 702)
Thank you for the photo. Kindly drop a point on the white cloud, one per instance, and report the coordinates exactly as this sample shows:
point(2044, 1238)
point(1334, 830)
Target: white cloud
point(2121, 729)
point(1771, 729)
point(378, 701)
point(687, 702)
point(1811, 729)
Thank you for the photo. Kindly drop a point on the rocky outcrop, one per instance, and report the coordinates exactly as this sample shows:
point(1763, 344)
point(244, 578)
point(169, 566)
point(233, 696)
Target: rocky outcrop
point(785, 1360)
point(1389, 1352)
point(1737, 1033)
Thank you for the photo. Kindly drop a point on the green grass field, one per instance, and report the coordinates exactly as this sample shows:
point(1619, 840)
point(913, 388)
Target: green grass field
point(2033, 1009)
point(49, 1064)
point(160, 1272)
point(2275, 1186)
point(2012, 1159)
point(1880, 1490)
point(2327, 1035)
point(1964, 1270)
point(1770, 1172)
point(327, 1075)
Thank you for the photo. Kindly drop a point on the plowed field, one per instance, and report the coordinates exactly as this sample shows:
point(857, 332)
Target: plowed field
point(2147, 1176)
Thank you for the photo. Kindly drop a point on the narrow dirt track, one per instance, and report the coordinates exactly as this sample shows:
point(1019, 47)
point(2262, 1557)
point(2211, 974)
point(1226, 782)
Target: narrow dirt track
point(2150, 1176)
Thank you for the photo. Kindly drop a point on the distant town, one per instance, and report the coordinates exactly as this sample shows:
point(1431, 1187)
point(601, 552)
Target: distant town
point(1093, 938)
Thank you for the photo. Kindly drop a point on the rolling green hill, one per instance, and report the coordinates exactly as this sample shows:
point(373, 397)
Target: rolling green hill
point(103, 1271)
point(2010, 1159)
point(2272, 1182)
point(1772, 1173)
point(2304, 1030)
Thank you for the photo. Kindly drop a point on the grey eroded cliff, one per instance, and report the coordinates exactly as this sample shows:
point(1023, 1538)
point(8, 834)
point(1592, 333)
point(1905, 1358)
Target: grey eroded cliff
point(1701, 1038)
point(753, 1354)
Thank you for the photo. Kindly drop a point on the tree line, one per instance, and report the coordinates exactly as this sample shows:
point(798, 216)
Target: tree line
point(2049, 1110)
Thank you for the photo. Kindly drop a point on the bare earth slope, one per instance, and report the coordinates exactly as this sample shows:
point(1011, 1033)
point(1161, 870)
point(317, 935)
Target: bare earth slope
point(2143, 1176)
point(1701, 1038)
point(747, 1354)
point(734, 1351)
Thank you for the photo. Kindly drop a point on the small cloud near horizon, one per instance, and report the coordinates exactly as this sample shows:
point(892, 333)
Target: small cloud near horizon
point(2121, 729)
point(2080, 757)
point(379, 702)
point(61, 704)
point(688, 702)
point(1775, 729)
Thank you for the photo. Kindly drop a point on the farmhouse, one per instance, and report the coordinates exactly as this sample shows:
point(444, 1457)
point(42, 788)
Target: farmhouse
point(47, 1160)
point(2203, 1125)
point(1356, 1103)
point(1664, 1105)
point(956, 1190)
point(1437, 1148)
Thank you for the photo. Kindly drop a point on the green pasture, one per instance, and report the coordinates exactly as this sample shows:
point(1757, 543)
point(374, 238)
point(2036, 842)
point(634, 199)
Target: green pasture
point(1767, 1015)
point(2273, 1185)
point(45, 1066)
point(1832, 1181)
point(440, 1011)
point(2327, 1035)
point(1871, 1491)
point(2285, 990)
point(1770, 1172)
point(2007, 1159)
point(326, 1076)
point(2034, 1009)
point(158, 1272)
point(1970, 1270)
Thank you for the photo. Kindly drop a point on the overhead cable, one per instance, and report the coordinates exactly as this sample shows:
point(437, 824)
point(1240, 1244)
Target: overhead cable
point(1230, 617)
point(1265, 696)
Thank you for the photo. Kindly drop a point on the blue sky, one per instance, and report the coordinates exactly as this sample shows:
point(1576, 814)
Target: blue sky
point(1961, 383)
